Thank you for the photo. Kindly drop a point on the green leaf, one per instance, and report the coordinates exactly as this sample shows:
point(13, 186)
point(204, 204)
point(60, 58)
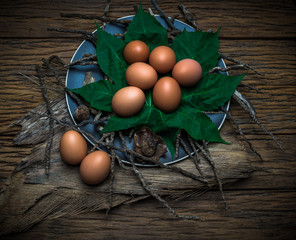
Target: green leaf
point(98, 94)
point(212, 92)
point(197, 124)
point(144, 118)
point(110, 57)
point(198, 45)
point(146, 28)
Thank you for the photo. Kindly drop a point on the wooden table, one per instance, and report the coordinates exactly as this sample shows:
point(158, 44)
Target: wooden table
point(259, 33)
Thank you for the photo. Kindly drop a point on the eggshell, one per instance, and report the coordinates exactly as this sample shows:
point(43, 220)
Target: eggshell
point(141, 75)
point(95, 167)
point(73, 147)
point(187, 72)
point(162, 59)
point(166, 94)
point(136, 51)
point(128, 101)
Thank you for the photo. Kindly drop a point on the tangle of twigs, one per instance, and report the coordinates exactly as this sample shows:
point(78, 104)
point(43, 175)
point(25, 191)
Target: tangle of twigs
point(106, 141)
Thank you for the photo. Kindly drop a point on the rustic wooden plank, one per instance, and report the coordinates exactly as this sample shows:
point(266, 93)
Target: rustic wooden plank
point(260, 29)
point(275, 115)
point(274, 59)
point(277, 170)
point(30, 19)
point(251, 215)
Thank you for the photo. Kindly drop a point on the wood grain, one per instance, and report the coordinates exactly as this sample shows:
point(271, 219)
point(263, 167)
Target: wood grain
point(242, 19)
point(251, 214)
point(259, 33)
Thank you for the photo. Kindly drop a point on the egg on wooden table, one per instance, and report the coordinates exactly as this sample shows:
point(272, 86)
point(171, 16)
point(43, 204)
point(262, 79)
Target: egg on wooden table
point(141, 75)
point(166, 94)
point(162, 59)
point(136, 51)
point(128, 101)
point(187, 72)
point(73, 147)
point(95, 167)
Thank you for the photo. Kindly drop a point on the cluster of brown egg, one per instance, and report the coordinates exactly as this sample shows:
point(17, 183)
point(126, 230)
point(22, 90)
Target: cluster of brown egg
point(142, 76)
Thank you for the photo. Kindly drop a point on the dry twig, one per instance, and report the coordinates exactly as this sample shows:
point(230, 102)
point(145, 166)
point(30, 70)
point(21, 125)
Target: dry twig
point(240, 63)
point(85, 34)
point(88, 58)
point(232, 119)
point(189, 16)
point(162, 14)
point(255, 119)
point(51, 120)
point(206, 153)
point(93, 17)
point(229, 68)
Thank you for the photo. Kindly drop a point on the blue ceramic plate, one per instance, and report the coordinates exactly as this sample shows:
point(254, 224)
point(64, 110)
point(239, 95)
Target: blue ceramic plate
point(75, 78)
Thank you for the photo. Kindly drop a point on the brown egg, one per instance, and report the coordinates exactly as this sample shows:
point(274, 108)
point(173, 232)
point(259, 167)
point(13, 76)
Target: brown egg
point(136, 51)
point(187, 72)
point(141, 75)
point(128, 101)
point(166, 94)
point(73, 147)
point(95, 167)
point(162, 59)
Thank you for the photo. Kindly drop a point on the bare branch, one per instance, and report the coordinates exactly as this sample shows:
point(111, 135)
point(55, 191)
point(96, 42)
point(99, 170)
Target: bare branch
point(240, 63)
point(51, 120)
point(162, 14)
point(252, 115)
point(189, 16)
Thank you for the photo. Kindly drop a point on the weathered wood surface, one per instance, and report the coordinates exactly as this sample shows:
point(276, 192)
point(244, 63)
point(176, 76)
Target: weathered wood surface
point(261, 34)
point(64, 186)
point(252, 214)
point(241, 19)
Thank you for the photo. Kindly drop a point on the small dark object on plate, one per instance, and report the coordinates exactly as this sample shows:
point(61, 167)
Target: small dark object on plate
point(81, 113)
point(149, 144)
